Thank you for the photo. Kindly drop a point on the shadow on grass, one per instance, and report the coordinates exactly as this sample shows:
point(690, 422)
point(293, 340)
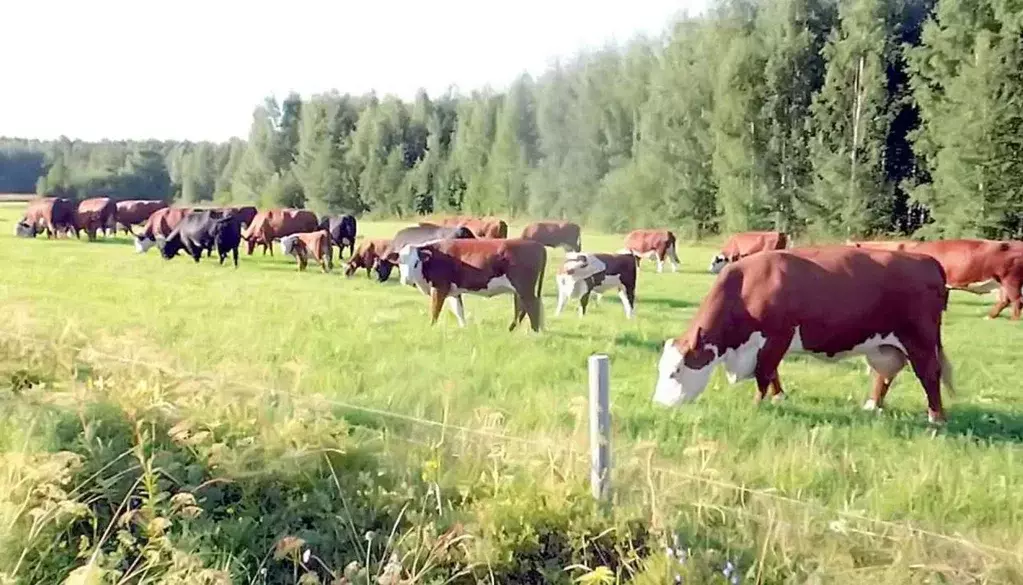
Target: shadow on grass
point(635, 341)
point(664, 302)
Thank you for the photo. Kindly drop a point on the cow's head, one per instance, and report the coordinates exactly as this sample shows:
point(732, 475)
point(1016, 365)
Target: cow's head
point(288, 243)
point(717, 264)
point(684, 369)
point(383, 268)
point(410, 266)
point(143, 244)
point(169, 247)
point(23, 229)
point(579, 265)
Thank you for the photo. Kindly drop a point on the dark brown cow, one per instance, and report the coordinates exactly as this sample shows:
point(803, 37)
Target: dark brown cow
point(316, 244)
point(484, 267)
point(245, 213)
point(159, 225)
point(274, 224)
point(975, 266)
point(367, 255)
point(830, 302)
point(555, 234)
point(94, 214)
point(50, 214)
point(135, 212)
point(583, 274)
point(746, 243)
point(481, 227)
point(656, 244)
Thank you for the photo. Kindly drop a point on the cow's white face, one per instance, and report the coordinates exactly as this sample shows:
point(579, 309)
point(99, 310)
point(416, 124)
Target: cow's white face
point(678, 383)
point(288, 244)
point(717, 264)
point(410, 268)
point(579, 265)
point(142, 245)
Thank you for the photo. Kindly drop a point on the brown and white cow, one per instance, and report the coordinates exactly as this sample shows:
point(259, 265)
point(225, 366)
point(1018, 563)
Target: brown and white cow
point(273, 224)
point(159, 225)
point(305, 244)
point(368, 255)
point(555, 234)
point(95, 214)
point(586, 273)
point(974, 266)
point(134, 212)
point(50, 214)
point(745, 244)
point(830, 302)
point(656, 244)
point(481, 227)
point(447, 269)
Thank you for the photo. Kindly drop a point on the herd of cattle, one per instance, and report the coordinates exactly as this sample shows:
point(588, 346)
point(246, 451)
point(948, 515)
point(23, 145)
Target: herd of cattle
point(881, 300)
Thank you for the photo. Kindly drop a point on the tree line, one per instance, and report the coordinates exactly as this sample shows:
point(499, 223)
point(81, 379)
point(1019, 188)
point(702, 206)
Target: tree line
point(849, 119)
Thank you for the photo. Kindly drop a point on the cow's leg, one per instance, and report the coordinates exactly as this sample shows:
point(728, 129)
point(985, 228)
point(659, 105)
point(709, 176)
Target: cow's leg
point(768, 360)
point(234, 254)
point(673, 257)
point(302, 259)
point(886, 362)
point(777, 394)
point(660, 262)
point(1004, 300)
point(628, 297)
point(456, 306)
point(1011, 294)
point(584, 301)
point(437, 296)
point(562, 299)
point(923, 357)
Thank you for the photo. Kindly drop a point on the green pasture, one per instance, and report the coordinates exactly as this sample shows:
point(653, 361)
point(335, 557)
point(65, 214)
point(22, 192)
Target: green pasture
point(363, 343)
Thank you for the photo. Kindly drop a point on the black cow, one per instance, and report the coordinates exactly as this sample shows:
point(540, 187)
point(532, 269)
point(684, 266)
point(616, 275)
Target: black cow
point(342, 231)
point(416, 235)
point(202, 230)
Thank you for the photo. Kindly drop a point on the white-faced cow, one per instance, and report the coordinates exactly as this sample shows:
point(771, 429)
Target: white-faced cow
point(415, 235)
point(448, 269)
point(830, 302)
point(53, 215)
point(745, 244)
point(656, 244)
point(586, 273)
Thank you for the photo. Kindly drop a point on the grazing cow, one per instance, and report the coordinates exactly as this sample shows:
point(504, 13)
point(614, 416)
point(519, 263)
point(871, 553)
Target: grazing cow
point(368, 255)
point(657, 244)
point(160, 224)
point(202, 230)
point(415, 235)
point(747, 243)
point(245, 214)
point(481, 227)
point(974, 266)
point(50, 214)
point(831, 302)
point(94, 214)
point(555, 234)
point(486, 267)
point(274, 224)
point(134, 212)
point(583, 274)
point(316, 244)
point(342, 230)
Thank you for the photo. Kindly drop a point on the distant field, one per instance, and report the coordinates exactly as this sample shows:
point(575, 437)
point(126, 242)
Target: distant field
point(18, 197)
point(371, 344)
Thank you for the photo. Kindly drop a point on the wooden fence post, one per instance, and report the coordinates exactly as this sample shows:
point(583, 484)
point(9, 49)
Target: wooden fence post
point(600, 428)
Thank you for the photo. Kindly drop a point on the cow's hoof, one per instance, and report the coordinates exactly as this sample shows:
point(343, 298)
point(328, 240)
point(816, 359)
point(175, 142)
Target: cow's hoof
point(870, 405)
point(778, 398)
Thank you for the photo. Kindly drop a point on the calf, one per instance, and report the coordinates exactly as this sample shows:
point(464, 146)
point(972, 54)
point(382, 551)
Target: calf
point(53, 215)
point(134, 212)
point(202, 230)
point(274, 224)
point(657, 244)
point(160, 224)
point(93, 215)
point(745, 244)
point(316, 244)
point(342, 230)
point(585, 274)
point(830, 302)
point(368, 256)
point(555, 234)
point(486, 267)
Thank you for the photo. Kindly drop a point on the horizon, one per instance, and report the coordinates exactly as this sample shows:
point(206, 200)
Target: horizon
point(204, 85)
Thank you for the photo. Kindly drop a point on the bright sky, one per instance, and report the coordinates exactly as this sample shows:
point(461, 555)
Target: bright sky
point(194, 69)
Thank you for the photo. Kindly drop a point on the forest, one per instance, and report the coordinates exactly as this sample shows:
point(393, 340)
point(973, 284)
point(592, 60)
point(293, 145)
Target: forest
point(824, 118)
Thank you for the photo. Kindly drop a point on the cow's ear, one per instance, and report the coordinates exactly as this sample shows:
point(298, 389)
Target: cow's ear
point(425, 254)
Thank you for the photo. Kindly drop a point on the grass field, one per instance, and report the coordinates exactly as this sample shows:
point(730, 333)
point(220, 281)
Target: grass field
point(317, 338)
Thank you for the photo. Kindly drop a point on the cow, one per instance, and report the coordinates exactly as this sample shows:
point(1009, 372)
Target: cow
point(50, 214)
point(481, 227)
point(316, 244)
point(830, 302)
point(583, 274)
point(202, 230)
point(245, 213)
point(974, 266)
point(555, 234)
point(415, 235)
point(342, 230)
point(743, 244)
point(657, 244)
point(160, 224)
point(134, 212)
point(367, 256)
point(94, 214)
point(274, 224)
point(486, 267)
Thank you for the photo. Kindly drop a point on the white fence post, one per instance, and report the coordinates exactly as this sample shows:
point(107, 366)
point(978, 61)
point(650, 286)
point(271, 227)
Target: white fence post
point(600, 427)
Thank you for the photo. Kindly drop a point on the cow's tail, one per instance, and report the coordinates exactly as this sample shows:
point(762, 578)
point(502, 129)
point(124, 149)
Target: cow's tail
point(539, 287)
point(672, 247)
point(579, 242)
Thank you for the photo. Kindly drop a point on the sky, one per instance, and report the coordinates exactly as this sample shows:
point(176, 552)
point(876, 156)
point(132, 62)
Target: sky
point(194, 69)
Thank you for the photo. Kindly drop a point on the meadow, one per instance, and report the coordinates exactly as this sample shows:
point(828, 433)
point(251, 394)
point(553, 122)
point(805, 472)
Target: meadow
point(308, 392)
